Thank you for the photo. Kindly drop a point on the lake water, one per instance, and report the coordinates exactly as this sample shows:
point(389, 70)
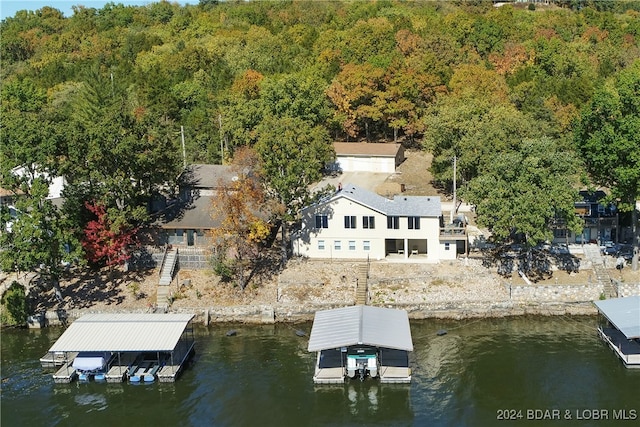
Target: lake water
point(479, 372)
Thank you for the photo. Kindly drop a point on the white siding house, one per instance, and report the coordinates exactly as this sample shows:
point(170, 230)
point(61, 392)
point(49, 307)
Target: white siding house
point(354, 223)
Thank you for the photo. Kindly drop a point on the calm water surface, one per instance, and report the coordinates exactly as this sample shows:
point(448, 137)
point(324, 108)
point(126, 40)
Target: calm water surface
point(263, 377)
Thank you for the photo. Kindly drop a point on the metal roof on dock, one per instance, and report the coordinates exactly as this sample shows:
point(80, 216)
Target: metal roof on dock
point(123, 332)
point(361, 324)
point(624, 313)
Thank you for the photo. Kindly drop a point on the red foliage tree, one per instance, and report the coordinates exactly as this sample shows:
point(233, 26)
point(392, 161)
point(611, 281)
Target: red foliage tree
point(104, 240)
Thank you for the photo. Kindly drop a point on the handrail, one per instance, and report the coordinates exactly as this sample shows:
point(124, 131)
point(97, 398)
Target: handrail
point(164, 257)
point(175, 261)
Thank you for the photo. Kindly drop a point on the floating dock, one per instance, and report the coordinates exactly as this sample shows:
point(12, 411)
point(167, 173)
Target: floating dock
point(622, 333)
point(162, 342)
point(361, 341)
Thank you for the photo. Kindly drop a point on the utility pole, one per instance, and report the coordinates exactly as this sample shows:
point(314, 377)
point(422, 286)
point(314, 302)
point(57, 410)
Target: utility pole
point(184, 151)
point(453, 208)
point(221, 139)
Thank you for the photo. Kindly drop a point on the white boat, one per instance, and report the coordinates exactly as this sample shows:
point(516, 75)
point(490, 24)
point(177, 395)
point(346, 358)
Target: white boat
point(91, 365)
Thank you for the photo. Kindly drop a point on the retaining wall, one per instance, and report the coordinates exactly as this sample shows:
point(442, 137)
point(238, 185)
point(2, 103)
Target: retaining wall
point(554, 293)
point(626, 289)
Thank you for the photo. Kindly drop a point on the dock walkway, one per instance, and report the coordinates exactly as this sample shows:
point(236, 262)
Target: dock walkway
point(118, 370)
point(65, 374)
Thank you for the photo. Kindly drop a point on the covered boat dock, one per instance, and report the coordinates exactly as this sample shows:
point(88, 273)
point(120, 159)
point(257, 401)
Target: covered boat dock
point(361, 340)
point(623, 332)
point(136, 346)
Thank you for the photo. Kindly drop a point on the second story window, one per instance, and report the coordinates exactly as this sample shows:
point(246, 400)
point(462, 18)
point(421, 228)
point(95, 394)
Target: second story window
point(368, 222)
point(414, 222)
point(322, 221)
point(349, 222)
point(393, 222)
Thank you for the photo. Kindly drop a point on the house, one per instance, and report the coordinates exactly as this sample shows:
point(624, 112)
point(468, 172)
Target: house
point(354, 223)
point(186, 220)
point(367, 157)
point(56, 186)
point(601, 221)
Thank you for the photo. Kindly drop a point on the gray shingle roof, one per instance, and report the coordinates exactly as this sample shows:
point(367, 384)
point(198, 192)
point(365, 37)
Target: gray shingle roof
point(208, 176)
point(424, 206)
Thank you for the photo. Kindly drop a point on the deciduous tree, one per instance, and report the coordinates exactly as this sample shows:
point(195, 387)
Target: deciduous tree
point(608, 138)
point(36, 238)
point(293, 154)
point(107, 242)
point(242, 217)
point(522, 192)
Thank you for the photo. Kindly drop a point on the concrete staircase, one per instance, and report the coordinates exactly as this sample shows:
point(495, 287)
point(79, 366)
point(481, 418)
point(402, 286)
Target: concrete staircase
point(592, 253)
point(168, 267)
point(166, 277)
point(362, 292)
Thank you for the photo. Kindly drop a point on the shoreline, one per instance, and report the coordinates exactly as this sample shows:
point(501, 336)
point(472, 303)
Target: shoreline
point(456, 290)
point(264, 315)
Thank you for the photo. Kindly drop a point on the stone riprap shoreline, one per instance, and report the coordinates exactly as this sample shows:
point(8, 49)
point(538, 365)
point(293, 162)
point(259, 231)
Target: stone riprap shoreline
point(458, 289)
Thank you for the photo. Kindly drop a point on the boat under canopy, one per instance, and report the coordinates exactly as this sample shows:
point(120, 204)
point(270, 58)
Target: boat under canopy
point(121, 342)
point(360, 341)
point(623, 332)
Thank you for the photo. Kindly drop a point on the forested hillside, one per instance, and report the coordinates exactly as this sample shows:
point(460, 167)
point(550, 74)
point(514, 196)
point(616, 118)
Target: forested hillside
point(100, 97)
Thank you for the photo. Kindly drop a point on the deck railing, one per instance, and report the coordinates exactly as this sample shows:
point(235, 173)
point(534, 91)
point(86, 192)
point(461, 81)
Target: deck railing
point(458, 233)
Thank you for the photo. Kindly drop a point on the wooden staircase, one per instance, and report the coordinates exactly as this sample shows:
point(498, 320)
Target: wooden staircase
point(167, 269)
point(362, 291)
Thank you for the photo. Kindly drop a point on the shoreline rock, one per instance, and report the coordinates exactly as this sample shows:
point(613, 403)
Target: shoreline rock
point(290, 314)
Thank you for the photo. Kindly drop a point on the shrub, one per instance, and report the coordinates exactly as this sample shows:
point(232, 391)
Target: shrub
point(223, 270)
point(15, 302)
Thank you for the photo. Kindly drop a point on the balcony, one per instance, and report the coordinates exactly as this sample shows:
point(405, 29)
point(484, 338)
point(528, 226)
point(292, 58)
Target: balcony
point(453, 233)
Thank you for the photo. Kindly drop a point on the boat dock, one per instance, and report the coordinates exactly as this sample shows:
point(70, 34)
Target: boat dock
point(136, 347)
point(622, 334)
point(627, 350)
point(361, 341)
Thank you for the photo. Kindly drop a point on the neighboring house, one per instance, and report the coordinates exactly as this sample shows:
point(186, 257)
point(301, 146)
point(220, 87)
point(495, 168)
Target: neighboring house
point(367, 157)
point(56, 186)
point(601, 221)
point(354, 223)
point(186, 220)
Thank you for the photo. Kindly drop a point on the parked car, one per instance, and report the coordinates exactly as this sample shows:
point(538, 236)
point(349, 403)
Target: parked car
point(626, 252)
point(613, 249)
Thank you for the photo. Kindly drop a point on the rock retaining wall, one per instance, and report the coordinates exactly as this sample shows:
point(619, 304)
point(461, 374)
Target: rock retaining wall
point(554, 293)
point(542, 300)
point(626, 289)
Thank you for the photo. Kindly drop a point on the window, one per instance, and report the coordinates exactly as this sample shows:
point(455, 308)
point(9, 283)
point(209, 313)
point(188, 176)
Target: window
point(337, 245)
point(393, 222)
point(352, 245)
point(561, 233)
point(322, 221)
point(366, 245)
point(349, 221)
point(368, 222)
point(321, 245)
point(414, 222)
point(446, 246)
